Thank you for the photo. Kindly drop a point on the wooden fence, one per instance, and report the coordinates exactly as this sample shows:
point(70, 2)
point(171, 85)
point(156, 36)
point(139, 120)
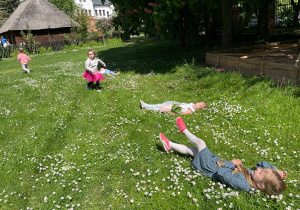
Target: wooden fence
point(276, 71)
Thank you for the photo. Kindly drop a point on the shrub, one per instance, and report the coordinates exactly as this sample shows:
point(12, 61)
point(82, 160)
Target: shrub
point(113, 41)
point(69, 47)
point(41, 49)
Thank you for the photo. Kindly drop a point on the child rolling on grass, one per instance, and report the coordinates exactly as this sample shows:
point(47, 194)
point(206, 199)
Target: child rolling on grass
point(265, 177)
point(92, 74)
point(23, 58)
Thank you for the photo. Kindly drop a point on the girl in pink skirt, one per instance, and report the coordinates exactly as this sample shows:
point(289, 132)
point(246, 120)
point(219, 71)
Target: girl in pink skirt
point(92, 74)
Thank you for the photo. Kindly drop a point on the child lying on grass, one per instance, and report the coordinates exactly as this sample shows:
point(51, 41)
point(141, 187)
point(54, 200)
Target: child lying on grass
point(108, 72)
point(265, 177)
point(173, 107)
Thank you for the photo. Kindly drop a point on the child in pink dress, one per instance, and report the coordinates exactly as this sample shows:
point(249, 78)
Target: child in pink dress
point(23, 58)
point(92, 74)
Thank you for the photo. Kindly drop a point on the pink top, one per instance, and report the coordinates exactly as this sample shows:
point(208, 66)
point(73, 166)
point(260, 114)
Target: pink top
point(23, 58)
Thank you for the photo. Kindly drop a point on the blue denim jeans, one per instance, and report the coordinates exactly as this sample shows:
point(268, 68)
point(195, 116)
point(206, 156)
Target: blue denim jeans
point(109, 72)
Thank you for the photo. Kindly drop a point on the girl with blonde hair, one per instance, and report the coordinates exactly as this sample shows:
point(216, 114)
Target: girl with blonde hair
point(265, 177)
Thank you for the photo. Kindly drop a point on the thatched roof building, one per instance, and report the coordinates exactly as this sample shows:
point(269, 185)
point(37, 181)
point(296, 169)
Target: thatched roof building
point(45, 21)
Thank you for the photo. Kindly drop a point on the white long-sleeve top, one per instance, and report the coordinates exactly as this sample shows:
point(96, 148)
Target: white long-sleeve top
point(92, 65)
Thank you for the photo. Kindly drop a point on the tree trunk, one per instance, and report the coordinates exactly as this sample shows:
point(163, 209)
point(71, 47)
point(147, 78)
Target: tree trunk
point(183, 21)
point(211, 26)
point(226, 10)
point(263, 21)
point(296, 8)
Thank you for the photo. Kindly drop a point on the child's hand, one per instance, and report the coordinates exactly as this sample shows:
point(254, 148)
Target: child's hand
point(104, 65)
point(283, 174)
point(237, 163)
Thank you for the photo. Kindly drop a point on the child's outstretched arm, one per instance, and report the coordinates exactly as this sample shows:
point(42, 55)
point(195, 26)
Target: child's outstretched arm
point(102, 62)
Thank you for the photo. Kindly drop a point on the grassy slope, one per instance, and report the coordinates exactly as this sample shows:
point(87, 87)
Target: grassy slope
point(64, 146)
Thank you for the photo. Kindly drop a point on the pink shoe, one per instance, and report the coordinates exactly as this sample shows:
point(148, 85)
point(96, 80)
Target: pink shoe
point(165, 142)
point(180, 124)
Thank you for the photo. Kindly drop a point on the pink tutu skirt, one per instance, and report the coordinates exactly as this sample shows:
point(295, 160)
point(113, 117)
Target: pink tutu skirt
point(93, 77)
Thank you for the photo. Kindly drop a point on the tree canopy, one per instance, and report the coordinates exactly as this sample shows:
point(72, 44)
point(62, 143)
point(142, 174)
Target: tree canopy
point(67, 6)
point(6, 8)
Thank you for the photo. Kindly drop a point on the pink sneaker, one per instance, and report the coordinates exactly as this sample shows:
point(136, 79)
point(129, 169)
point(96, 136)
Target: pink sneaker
point(180, 124)
point(165, 142)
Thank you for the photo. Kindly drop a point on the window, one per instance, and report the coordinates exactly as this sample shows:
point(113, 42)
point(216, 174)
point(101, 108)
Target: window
point(103, 12)
point(107, 14)
point(100, 12)
point(83, 0)
point(90, 12)
point(80, 0)
point(96, 13)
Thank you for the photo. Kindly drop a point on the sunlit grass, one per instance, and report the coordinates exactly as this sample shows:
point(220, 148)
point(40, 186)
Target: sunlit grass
point(63, 146)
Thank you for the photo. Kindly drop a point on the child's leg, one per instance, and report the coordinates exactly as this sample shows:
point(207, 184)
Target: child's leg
point(168, 145)
point(98, 85)
point(24, 66)
point(199, 143)
point(88, 85)
point(183, 149)
point(156, 106)
point(109, 72)
point(191, 137)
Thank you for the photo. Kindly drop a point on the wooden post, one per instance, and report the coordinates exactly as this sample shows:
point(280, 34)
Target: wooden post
point(261, 68)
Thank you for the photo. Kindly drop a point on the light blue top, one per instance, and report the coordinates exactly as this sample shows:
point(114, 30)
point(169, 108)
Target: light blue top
point(206, 162)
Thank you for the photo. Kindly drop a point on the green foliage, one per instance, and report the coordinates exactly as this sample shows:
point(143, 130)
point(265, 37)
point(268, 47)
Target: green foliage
point(30, 39)
point(72, 38)
point(7, 7)
point(106, 28)
point(69, 47)
point(83, 20)
point(43, 49)
point(93, 43)
point(93, 35)
point(67, 6)
point(114, 41)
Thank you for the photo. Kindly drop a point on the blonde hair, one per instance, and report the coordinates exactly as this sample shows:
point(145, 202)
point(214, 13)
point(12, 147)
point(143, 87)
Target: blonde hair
point(20, 50)
point(273, 184)
point(93, 51)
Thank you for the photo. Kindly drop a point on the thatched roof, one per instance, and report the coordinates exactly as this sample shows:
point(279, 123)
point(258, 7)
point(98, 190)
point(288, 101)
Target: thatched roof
point(39, 14)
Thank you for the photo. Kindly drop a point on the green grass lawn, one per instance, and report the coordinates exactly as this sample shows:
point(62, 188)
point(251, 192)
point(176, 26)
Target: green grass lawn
point(63, 146)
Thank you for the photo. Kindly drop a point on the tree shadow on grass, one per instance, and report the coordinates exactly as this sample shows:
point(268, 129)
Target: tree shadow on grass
point(152, 56)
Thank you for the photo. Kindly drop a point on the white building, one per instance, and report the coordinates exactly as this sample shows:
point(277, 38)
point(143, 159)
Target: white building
point(95, 8)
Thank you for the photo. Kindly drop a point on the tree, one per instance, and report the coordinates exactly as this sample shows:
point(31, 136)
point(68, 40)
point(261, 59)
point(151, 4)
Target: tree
point(226, 8)
point(67, 6)
point(6, 8)
point(167, 18)
point(265, 11)
point(29, 38)
point(83, 20)
point(105, 25)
